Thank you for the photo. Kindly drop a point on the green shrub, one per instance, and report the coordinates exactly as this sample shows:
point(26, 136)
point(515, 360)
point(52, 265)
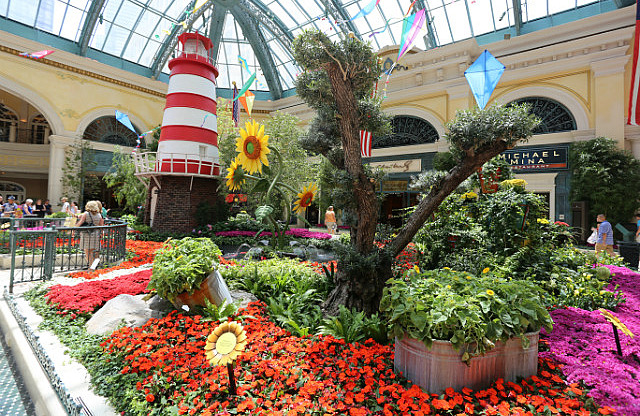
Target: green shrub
point(292, 291)
point(466, 310)
point(354, 326)
point(182, 265)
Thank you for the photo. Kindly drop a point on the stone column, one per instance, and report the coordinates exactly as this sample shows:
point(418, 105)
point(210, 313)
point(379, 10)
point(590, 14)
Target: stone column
point(609, 94)
point(57, 151)
point(12, 133)
point(47, 132)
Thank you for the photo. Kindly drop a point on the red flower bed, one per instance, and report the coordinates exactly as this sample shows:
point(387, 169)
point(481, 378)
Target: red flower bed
point(144, 252)
point(88, 296)
point(281, 374)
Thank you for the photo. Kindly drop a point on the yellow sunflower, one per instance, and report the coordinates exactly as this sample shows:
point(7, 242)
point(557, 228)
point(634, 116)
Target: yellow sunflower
point(225, 343)
point(235, 177)
point(305, 198)
point(253, 147)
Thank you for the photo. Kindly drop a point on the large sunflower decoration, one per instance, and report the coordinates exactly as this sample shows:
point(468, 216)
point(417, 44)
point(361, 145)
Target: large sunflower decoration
point(253, 147)
point(225, 343)
point(305, 198)
point(235, 177)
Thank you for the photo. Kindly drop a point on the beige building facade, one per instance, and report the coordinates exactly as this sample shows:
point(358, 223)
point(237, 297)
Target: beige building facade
point(578, 73)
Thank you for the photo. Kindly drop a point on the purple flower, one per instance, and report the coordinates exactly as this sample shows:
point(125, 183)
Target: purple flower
point(583, 342)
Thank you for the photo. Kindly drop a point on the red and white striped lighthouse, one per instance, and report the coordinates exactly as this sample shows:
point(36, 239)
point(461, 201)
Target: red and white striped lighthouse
point(189, 137)
point(185, 169)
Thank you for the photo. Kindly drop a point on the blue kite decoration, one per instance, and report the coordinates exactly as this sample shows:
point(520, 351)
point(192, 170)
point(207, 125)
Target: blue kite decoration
point(483, 76)
point(124, 119)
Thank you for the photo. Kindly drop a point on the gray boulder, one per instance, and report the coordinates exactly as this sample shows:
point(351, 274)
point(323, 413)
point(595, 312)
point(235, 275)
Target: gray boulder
point(127, 310)
point(242, 298)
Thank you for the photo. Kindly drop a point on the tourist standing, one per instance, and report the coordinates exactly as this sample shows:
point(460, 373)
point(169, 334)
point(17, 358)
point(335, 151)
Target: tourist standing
point(330, 220)
point(39, 209)
point(65, 206)
point(74, 208)
point(47, 207)
point(10, 207)
point(605, 235)
point(90, 239)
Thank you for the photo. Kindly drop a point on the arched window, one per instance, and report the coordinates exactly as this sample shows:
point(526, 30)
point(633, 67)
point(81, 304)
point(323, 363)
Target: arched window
point(407, 130)
point(14, 189)
point(39, 129)
point(7, 119)
point(109, 130)
point(555, 116)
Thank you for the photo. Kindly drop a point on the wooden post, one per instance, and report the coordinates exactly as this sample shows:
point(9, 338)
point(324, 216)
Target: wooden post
point(615, 334)
point(232, 379)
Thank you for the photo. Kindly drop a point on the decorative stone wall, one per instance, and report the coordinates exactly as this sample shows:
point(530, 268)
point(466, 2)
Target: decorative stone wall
point(178, 198)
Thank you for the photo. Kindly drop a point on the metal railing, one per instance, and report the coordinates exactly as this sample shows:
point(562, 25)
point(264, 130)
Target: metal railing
point(147, 164)
point(37, 248)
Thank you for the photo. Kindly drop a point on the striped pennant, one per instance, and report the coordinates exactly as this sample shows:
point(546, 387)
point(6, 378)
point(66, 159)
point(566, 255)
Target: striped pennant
point(365, 143)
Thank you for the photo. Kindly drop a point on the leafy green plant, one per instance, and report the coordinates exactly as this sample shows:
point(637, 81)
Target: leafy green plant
point(213, 312)
point(58, 214)
point(182, 265)
point(605, 176)
point(471, 312)
point(354, 326)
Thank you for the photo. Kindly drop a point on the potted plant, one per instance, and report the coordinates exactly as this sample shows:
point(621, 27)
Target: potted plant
point(457, 330)
point(185, 273)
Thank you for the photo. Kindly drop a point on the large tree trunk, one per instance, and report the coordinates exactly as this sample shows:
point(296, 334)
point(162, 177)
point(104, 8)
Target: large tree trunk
point(360, 289)
point(359, 283)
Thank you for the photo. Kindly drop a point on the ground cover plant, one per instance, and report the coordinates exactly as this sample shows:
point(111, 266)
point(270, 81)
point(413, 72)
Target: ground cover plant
point(141, 253)
point(160, 369)
point(583, 342)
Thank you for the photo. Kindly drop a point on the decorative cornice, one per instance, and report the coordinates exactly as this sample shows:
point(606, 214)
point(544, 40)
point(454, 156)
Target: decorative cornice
point(86, 73)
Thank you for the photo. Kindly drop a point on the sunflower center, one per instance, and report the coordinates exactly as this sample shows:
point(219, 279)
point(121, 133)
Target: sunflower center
point(252, 147)
point(306, 199)
point(226, 343)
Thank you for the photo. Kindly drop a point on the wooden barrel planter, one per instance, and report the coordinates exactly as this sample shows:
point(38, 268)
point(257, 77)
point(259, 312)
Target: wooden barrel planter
point(213, 288)
point(441, 366)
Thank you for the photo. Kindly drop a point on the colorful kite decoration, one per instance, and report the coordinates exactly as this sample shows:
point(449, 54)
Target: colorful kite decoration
point(483, 76)
point(246, 86)
point(411, 28)
point(124, 119)
point(235, 111)
point(366, 9)
point(247, 100)
point(37, 55)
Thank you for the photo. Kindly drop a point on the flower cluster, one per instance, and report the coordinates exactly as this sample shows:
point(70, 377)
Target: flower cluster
point(88, 296)
point(280, 374)
point(143, 253)
point(583, 341)
point(294, 232)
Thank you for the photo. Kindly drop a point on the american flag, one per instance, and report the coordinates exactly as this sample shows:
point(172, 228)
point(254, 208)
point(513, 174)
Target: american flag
point(634, 107)
point(365, 143)
point(235, 111)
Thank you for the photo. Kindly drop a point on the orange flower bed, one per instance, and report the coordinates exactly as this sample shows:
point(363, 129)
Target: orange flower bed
point(280, 374)
point(144, 252)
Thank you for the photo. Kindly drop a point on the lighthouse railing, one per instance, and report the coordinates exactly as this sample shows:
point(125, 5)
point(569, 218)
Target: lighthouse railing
point(183, 164)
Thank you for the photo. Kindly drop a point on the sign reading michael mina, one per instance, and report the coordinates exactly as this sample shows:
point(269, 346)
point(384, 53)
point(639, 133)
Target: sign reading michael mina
point(537, 158)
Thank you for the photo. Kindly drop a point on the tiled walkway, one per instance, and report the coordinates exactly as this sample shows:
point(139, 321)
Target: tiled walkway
point(14, 399)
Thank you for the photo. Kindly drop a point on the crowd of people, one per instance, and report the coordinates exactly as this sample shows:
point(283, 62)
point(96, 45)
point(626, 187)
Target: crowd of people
point(27, 208)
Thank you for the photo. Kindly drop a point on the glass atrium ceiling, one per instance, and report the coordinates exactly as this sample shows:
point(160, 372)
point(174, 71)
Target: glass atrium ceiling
point(255, 35)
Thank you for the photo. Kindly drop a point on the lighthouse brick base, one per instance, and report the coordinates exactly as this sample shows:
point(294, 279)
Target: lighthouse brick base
point(177, 201)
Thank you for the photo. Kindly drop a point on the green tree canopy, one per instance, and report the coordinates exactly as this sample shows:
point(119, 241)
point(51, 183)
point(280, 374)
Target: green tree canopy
point(607, 177)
